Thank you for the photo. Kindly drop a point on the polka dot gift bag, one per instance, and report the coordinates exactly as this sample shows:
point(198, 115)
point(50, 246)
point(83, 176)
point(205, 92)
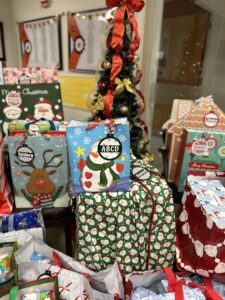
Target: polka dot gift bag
point(137, 227)
point(201, 227)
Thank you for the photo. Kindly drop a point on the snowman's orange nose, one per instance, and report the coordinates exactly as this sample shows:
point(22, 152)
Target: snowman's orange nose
point(94, 154)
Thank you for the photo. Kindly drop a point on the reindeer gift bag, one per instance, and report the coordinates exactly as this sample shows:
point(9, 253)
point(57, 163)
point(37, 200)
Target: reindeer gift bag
point(99, 154)
point(39, 170)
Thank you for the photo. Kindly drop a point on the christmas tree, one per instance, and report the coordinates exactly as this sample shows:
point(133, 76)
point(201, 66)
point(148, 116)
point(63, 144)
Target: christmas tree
point(117, 95)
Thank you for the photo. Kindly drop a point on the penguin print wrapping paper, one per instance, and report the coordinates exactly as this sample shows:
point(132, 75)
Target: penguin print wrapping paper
point(99, 155)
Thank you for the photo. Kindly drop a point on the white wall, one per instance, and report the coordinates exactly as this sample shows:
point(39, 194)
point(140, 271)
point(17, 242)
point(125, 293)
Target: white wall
point(24, 10)
point(9, 35)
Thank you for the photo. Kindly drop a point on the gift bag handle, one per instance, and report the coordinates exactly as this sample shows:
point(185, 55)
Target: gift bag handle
point(210, 291)
point(51, 123)
point(13, 293)
point(172, 282)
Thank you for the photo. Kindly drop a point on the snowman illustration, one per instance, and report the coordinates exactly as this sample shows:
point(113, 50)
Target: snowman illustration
point(100, 172)
point(11, 113)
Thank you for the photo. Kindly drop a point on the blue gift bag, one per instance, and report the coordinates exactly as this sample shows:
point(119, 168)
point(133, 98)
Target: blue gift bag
point(23, 220)
point(99, 155)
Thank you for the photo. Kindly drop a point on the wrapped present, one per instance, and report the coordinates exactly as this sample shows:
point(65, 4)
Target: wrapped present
point(99, 155)
point(6, 196)
point(39, 169)
point(30, 101)
point(22, 226)
point(30, 75)
point(22, 220)
point(202, 150)
point(205, 114)
point(44, 289)
point(200, 227)
point(108, 281)
point(136, 227)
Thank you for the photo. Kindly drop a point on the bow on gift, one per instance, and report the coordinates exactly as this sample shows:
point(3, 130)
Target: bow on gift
point(123, 84)
point(128, 6)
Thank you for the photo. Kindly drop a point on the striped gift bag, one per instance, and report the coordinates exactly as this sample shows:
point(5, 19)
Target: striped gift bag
point(6, 196)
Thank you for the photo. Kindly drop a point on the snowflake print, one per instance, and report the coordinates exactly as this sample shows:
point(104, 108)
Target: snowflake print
point(87, 140)
point(122, 138)
point(77, 131)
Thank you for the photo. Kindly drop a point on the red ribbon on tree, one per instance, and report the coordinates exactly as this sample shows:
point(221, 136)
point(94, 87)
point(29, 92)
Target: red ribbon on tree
point(109, 97)
point(128, 6)
point(116, 42)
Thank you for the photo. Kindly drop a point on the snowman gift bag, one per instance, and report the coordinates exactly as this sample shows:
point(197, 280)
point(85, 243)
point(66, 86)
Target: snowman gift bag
point(99, 154)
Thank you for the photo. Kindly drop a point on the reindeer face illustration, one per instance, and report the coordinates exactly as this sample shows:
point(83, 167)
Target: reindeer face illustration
point(40, 182)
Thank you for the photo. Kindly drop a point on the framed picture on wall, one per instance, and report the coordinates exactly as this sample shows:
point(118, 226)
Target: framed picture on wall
point(2, 45)
point(40, 42)
point(87, 34)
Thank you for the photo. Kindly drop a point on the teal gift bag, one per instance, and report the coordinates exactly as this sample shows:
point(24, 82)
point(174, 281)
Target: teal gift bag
point(39, 170)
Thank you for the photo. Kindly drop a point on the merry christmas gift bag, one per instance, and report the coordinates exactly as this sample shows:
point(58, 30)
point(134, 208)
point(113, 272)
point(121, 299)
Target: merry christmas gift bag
point(30, 102)
point(99, 154)
point(39, 170)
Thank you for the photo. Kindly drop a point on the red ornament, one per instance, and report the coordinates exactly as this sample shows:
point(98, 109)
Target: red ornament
point(129, 57)
point(102, 85)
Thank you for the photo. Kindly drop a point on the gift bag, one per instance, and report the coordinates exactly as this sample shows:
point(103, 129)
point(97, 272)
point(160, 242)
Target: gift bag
point(22, 226)
point(39, 169)
point(108, 281)
point(30, 75)
point(30, 102)
point(71, 285)
point(6, 197)
point(165, 285)
point(137, 228)
point(99, 155)
point(46, 289)
point(200, 227)
point(7, 265)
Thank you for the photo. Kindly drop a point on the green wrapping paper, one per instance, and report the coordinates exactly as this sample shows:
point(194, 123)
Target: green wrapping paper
point(137, 227)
